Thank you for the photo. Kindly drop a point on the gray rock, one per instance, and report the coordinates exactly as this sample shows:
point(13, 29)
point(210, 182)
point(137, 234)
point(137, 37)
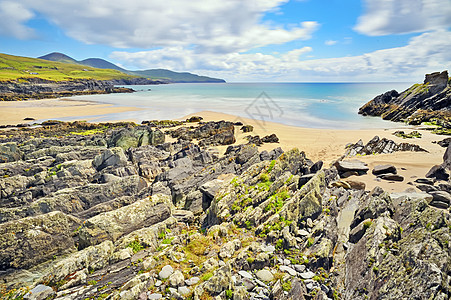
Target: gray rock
point(39, 292)
point(299, 268)
point(265, 275)
point(307, 275)
point(248, 283)
point(165, 272)
point(183, 290)
point(9, 152)
point(351, 165)
point(110, 157)
point(184, 216)
point(440, 199)
point(154, 296)
point(384, 169)
point(192, 281)
point(176, 279)
point(288, 270)
point(392, 177)
point(245, 274)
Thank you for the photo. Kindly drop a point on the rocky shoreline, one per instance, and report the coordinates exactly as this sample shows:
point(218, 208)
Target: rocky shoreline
point(115, 211)
point(34, 88)
point(427, 102)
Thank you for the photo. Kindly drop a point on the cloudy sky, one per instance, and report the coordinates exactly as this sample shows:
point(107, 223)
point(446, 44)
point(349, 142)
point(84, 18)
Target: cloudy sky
point(241, 40)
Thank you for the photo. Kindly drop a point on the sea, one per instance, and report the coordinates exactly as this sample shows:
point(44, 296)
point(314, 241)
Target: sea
point(311, 105)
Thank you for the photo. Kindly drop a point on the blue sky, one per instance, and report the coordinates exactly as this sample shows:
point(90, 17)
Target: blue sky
point(253, 40)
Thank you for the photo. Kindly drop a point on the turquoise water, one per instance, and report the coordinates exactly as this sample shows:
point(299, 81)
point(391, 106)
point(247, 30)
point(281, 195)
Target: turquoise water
point(314, 105)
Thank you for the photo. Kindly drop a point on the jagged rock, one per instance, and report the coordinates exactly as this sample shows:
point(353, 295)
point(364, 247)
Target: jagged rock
point(254, 140)
point(33, 240)
point(91, 258)
point(438, 172)
point(135, 137)
point(380, 146)
point(383, 169)
point(247, 128)
point(444, 143)
point(112, 225)
point(9, 152)
point(419, 103)
point(111, 157)
point(272, 138)
point(220, 281)
point(184, 216)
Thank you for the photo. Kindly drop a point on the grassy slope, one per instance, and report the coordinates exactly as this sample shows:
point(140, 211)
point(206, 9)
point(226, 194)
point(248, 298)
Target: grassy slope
point(13, 67)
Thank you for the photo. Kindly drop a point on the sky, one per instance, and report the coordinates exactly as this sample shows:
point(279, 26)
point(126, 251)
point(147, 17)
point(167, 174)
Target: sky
point(241, 40)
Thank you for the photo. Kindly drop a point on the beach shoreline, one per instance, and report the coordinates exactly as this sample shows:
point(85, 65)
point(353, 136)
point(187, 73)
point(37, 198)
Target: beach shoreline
point(327, 145)
point(15, 112)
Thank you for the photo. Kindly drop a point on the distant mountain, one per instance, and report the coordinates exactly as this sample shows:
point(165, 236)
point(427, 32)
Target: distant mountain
point(59, 57)
point(101, 64)
point(157, 74)
point(183, 77)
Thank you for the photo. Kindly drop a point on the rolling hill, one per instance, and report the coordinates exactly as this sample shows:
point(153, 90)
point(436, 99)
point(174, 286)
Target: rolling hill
point(156, 74)
point(14, 67)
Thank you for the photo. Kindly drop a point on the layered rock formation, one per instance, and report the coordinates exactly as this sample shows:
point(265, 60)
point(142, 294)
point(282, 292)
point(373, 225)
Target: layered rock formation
point(35, 88)
point(430, 101)
point(112, 211)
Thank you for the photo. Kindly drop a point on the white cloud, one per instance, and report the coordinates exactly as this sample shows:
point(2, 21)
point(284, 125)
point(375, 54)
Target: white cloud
point(426, 53)
point(208, 25)
point(12, 17)
point(330, 42)
point(384, 17)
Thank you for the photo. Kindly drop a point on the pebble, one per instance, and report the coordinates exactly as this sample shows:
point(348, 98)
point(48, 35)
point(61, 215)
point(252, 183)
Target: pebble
point(307, 275)
point(154, 296)
point(221, 263)
point(288, 270)
point(269, 248)
point(166, 272)
point(286, 262)
point(261, 283)
point(158, 283)
point(299, 268)
point(264, 275)
point(183, 290)
point(192, 281)
point(245, 274)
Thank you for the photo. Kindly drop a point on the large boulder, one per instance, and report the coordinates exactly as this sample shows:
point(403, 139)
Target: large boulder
point(29, 241)
point(9, 152)
point(114, 224)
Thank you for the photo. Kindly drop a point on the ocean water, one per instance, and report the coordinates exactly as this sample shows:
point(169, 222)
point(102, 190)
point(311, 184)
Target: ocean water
point(313, 105)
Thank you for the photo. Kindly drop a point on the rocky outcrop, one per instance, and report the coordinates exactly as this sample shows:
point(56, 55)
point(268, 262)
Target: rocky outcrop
point(102, 214)
point(34, 88)
point(380, 146)
point(420, 103)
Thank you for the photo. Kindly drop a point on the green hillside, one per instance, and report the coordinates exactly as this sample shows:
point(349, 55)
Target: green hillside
point(13, 67)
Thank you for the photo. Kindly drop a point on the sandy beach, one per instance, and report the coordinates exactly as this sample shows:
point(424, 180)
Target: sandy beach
point(14, 112)
point(329, 144)
point(318, 144)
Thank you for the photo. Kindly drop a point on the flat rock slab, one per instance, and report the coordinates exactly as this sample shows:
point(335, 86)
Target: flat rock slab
point(307, 275)
point(245, 274)
point(392, 177)
point(440, 199)
point(384, 169)
point(351, 165)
